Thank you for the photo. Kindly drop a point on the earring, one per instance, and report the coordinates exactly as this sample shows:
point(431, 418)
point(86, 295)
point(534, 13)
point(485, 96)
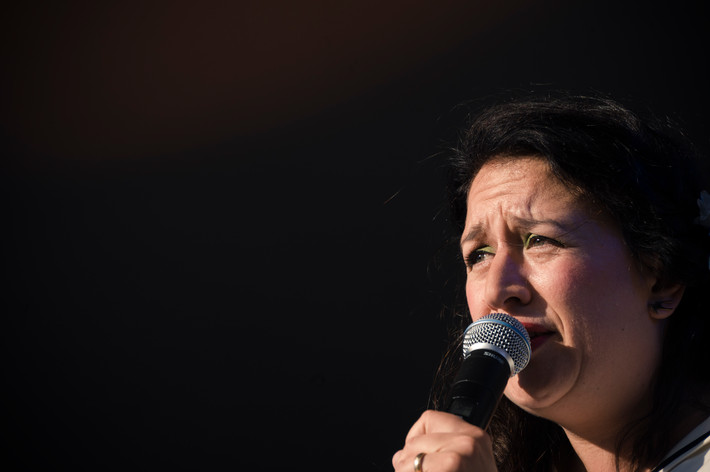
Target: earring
point(660, 305)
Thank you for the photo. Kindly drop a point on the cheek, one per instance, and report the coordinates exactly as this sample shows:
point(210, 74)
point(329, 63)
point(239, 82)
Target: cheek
point(602, 294)
point(602, 308)
point(469, 299)
point(588, 287)
point(477, 306)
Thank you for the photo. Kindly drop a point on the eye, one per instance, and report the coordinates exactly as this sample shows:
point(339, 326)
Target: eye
point(535, 240)
point(478, 255)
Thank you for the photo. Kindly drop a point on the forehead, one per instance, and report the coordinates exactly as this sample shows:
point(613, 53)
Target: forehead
point(522, 194)
point(518, 181)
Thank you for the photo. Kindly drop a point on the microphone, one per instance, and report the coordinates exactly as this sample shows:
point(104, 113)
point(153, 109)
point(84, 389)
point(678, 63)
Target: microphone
point(495, 348)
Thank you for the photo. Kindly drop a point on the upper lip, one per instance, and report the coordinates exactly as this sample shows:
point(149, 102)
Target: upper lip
point(536, 329)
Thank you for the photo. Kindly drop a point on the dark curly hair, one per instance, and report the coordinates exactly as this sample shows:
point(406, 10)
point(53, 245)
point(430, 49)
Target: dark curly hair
point(646, 176)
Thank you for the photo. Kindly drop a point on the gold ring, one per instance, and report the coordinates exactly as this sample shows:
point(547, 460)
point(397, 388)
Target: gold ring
point(418, 461)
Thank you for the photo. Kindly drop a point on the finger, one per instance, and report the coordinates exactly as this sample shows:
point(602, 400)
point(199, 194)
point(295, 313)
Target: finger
point(407, 462)
point(396, 458)
point(445, 461)
point(441, 422)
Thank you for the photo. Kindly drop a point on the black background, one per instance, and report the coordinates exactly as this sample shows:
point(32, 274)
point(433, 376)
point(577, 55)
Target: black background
point(225, 227)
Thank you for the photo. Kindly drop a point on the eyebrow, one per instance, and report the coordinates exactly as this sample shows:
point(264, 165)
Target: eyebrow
point(472, 233)
point(476, 230)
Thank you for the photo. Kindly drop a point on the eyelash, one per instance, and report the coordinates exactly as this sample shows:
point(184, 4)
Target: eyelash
point(540, 239)
point(531, 240)
point(473, 257)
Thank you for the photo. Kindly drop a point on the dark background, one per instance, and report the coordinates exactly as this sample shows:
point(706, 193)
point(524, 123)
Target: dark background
point(224, 222)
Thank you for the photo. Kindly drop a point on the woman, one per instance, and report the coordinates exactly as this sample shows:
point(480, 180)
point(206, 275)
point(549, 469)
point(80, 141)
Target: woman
point(586, 224)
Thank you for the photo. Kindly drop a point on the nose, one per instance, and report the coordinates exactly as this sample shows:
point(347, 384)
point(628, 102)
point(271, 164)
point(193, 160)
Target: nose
point(506, 282)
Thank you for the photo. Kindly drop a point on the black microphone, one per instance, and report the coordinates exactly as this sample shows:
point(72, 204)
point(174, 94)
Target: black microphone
point(495, 348)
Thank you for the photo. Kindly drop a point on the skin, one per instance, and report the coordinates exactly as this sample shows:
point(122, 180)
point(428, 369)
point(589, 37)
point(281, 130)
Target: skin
point(536, 251)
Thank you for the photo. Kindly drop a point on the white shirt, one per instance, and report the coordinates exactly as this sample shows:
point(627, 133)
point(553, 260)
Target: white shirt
point(697, 457)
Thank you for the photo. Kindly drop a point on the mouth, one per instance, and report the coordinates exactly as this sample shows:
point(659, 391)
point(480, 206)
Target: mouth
point(539, 335)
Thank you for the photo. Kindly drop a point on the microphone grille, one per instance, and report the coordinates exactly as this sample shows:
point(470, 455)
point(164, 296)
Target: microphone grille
point(504, 332)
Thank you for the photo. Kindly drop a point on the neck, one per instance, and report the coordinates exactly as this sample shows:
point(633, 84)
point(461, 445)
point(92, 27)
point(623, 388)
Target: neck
point(597, 453)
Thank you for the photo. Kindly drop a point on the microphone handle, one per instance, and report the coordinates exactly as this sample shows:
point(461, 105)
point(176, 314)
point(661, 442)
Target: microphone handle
point(479, 386)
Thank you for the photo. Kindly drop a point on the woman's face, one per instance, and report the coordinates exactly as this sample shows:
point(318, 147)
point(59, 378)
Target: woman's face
point(537, 252)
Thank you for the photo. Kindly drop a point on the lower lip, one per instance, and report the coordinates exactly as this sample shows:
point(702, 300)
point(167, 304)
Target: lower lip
point(538, 341)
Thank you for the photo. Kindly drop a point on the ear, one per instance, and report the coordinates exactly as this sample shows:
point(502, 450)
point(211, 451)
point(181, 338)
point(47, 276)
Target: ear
point(663, 302)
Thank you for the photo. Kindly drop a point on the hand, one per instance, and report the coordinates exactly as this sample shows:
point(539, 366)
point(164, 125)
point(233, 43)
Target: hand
point(450, 444)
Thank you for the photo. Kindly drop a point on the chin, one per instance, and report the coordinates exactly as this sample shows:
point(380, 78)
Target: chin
point(541, 386)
